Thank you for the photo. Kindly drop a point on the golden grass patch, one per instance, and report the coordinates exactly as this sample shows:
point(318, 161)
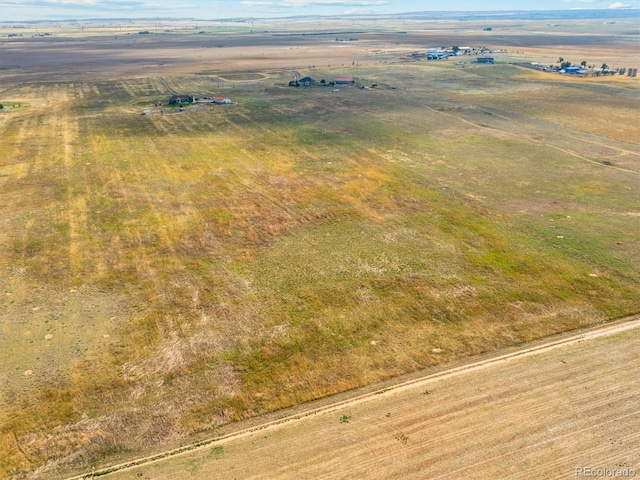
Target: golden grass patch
point(165, 274)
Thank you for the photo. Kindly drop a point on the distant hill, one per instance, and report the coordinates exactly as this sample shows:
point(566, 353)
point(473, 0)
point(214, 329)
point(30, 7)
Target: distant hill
point(522, 14)
point(610, 13)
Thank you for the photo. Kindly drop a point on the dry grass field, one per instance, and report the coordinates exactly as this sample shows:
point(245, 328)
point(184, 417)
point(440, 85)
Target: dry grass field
point(164, 275)
point(541, 414)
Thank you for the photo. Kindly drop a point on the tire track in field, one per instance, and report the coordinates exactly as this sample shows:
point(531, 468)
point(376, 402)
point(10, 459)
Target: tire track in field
point(83, 259)
point(620, 326)
point(565, 132)
point(166, 85)
point(298, 150)
point(130, 201)
point(528, 138)
point(541, 123)
point(76, 202)
point(255, 187)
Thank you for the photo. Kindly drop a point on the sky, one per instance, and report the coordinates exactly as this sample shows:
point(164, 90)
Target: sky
point(25, 10)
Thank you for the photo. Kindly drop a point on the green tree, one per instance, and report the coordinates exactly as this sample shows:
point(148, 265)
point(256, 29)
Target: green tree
point(583, 63)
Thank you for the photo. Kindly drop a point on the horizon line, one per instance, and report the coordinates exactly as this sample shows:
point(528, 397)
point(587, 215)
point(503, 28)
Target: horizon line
point(329, 16)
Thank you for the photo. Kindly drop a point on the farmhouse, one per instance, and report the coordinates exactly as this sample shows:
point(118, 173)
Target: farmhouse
point(221, 100)
point(485, 60)
point(181, 99)
point(303, 82)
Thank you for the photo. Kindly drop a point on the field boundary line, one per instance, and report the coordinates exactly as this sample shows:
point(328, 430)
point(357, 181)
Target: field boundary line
point(501, 113)
point(615, 327)
point(533, 140)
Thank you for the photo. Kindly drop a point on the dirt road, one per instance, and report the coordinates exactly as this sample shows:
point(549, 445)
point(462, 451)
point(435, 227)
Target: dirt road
point(552, 401)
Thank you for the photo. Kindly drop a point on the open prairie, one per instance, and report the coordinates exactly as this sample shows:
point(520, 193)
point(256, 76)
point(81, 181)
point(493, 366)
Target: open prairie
point(163, 275)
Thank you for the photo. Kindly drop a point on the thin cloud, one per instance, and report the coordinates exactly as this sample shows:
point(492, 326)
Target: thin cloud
point(266, 6)
point(346, 3)
point(354, 5)
point(619, 5)
point(359, 11)
point(71, 3)
point(93, 3)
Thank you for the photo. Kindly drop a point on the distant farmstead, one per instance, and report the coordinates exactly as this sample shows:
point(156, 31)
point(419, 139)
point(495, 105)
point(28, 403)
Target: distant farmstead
point(344, 81)
point(181, 99)
point(306, 81)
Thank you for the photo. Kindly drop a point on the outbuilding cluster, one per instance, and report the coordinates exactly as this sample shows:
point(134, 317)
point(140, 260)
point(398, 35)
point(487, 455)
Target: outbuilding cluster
point(182, 101)
point(308, 81)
